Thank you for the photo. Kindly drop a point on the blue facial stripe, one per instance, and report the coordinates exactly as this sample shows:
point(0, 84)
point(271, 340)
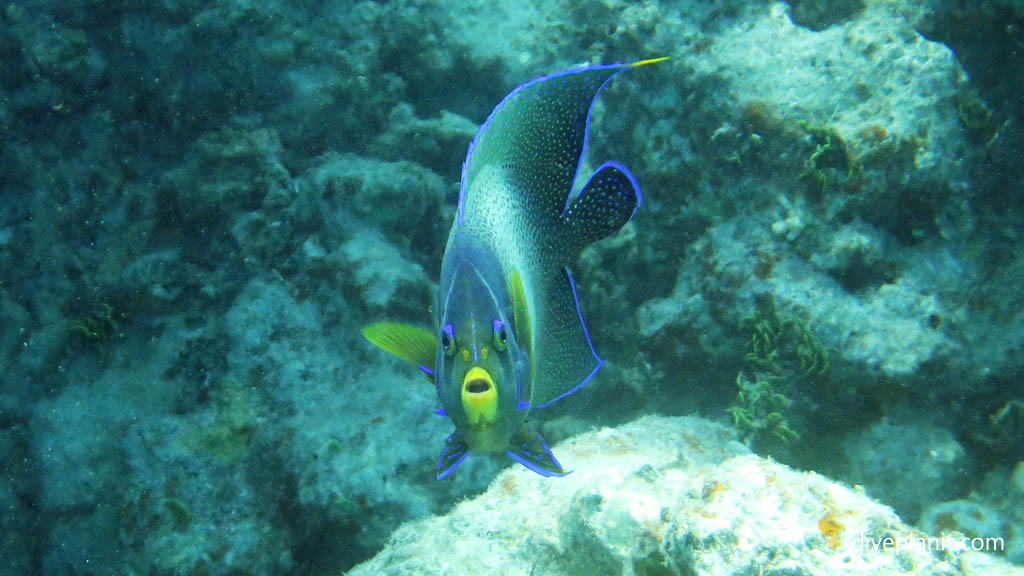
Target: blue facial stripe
point(520, 404)
point(486, 284)
point(590, 343)
point(472, 328)
point(519, 385)
point(494, 299)
point(426, 370)
point(447, 299)
point(448, 329)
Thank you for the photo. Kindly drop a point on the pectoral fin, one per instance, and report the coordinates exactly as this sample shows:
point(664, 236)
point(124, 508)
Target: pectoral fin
point(529, 449)
point(414, 344)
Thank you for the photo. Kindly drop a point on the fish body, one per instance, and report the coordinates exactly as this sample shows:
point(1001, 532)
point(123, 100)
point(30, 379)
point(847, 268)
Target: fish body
point(509, 336)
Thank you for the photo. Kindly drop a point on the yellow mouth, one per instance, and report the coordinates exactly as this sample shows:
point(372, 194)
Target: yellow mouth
point(479, 397)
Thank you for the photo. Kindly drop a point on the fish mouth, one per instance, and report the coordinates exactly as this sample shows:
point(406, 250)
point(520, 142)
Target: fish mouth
point(478, 386)
point(479, 397)
point(477, 381)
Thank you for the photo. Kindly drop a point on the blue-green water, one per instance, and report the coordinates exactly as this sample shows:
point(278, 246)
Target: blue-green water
point(203, 204)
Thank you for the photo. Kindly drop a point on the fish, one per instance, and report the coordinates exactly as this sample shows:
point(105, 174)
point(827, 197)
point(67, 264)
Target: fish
point(509, 337)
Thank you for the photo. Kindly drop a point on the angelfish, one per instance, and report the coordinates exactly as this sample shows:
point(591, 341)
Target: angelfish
point(509, 336)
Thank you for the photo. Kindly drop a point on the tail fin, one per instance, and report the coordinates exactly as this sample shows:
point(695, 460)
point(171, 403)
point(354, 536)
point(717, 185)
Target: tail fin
point(605, 204)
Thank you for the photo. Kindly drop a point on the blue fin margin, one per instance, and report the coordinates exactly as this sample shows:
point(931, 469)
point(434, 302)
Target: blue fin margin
point(529, 449)
point(613, 68)
point(590, 344)
point(603, 206)
point(455, 451)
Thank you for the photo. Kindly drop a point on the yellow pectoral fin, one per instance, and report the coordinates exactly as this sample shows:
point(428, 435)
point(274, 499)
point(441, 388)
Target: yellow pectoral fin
point(414, 344)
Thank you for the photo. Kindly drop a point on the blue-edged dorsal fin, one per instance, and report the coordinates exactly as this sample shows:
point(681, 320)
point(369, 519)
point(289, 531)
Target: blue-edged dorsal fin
point(529, 449)
point(414, 344)
point(538, 132)
point(455, 451)
point(605, 204)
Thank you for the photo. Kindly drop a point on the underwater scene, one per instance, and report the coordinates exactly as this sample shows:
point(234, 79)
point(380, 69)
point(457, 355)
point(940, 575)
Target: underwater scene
point(593, 287)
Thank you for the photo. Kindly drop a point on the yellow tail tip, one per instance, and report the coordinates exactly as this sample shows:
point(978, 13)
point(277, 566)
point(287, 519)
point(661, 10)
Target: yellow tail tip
point(648, 61)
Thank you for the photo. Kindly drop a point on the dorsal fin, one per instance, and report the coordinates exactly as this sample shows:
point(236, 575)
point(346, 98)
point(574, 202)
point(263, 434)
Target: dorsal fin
point(539, 130)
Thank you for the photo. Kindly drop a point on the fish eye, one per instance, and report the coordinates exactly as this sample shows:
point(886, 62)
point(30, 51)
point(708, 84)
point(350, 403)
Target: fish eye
point(500, 335)
point(448, 340)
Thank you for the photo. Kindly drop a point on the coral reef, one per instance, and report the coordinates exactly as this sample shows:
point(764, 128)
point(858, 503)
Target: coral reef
point(669, 496)
point(203, 203)
point(885, 455)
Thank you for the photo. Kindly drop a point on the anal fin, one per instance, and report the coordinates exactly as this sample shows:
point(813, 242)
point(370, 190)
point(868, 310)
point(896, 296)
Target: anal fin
point(565, 359)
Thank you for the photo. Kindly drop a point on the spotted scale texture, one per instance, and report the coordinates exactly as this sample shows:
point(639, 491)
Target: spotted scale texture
point(538, 131)
point(605, 204)
point(514, 198)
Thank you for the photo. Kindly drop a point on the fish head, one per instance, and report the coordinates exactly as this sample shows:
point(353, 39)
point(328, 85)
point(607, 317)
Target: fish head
point(480, 364)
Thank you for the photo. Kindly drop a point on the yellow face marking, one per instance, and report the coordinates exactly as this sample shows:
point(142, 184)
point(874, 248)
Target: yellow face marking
point(465, 355)
point(483, 352)
point(479, 398)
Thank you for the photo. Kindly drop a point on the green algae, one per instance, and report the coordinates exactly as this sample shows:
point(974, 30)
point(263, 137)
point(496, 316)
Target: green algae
point(759, 410)
point(782, 355)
